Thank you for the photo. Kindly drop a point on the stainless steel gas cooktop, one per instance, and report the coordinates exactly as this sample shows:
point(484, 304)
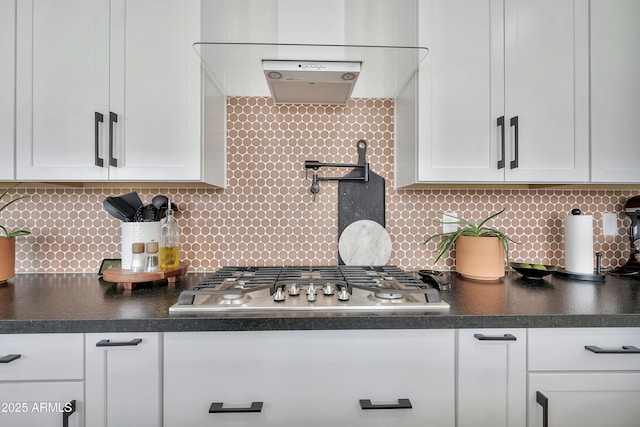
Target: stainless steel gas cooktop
point(330, 288)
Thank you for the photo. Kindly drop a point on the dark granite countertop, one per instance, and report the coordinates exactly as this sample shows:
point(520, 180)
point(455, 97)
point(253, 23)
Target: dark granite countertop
point(47, 303)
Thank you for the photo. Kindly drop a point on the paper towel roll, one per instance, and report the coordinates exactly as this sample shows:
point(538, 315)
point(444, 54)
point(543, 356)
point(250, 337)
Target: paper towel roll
point(578, 244)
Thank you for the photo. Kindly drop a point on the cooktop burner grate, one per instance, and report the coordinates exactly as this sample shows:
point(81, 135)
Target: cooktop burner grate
point(302, 288)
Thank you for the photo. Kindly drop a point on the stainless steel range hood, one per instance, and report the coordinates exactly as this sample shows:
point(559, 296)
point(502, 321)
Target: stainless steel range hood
point(316, 72)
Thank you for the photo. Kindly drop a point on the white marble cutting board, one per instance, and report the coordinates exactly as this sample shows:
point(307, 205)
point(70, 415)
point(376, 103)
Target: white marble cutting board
point(364, 243)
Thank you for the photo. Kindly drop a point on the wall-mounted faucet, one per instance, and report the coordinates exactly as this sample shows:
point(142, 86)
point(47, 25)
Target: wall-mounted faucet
point(316, 165)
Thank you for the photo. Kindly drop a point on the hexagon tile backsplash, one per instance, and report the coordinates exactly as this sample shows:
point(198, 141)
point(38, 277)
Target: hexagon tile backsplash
point(266, 215)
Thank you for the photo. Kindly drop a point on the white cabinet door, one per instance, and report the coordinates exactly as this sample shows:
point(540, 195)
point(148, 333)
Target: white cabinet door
point(62, 87)
point(108, 89)
point(123, 379)
point(547, 90)
point(461, 90)
point(41, 380)
point(504, 93)
point(28, 404)
point(311, 378)
point(584, 399)
point(7, 87)
point(615, 91)
point(492, 380)
point(155, 89)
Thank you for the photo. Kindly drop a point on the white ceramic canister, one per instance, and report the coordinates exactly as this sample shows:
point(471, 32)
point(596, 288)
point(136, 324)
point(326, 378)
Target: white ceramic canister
point(136, 232)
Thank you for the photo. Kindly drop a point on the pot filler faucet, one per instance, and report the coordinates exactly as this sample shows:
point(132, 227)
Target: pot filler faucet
point(316, 165)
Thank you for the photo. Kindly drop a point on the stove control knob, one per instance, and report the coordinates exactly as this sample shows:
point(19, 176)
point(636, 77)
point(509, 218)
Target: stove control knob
point(311, 290)
point(343, 295)
point(311, 297)
point(279, 295)
point(328, 289)
point(294, 290)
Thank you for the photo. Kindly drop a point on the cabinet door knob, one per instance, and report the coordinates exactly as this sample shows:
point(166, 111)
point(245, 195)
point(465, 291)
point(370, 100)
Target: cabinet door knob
point(625, 349)
point(113, 118)
point(402, 404)
point(109, 343)
point(69, 409)
point(543, 401)
point(99, 118)
point(217, 408)
point(505, 337)
point(9, 358)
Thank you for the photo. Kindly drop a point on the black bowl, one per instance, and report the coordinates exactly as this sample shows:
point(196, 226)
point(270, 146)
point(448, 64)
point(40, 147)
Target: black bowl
point(532, 273)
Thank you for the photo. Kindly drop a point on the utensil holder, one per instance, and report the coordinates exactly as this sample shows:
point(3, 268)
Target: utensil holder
point(132, 232)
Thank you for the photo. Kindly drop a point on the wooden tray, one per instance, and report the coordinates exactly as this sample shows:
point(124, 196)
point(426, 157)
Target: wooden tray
point(129, 278)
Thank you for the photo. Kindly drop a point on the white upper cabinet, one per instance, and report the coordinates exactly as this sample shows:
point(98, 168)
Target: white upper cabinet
point(108, 90)
point(615, 91)
point(7, 84)
point(502, 95)
point(62, 87)
point(547, 90)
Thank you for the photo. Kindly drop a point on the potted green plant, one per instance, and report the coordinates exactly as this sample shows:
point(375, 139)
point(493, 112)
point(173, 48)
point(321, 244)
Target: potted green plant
point(482, 252)
point(8, 240)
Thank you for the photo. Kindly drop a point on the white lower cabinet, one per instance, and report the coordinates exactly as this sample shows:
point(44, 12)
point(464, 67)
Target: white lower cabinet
point(41, 380)
point(310, 378)
point(491, 381)
point(123, 379)
point(584, 377)
point(585, 400)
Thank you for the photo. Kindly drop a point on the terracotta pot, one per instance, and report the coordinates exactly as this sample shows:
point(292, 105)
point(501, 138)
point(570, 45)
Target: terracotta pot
point(479, 258)
point(7, 258)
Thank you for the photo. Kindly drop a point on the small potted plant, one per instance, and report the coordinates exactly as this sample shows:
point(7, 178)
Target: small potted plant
point(8, 241)
point(482, 252)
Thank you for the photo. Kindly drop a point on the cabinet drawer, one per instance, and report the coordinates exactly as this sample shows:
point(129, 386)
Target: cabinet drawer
point(310, 378)
point(42, 357)
point(609, 349)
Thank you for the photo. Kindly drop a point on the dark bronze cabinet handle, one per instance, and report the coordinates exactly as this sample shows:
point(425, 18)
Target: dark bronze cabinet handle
point(9, 358)
point(505, 337)
point(109, 343)
point(113, 118)
point(514, 123)
point(500, 124)
point(99, 118)
point(217, 408)
point(402, 404)
point(543, 401)
point(67, 413)
point(625, 349)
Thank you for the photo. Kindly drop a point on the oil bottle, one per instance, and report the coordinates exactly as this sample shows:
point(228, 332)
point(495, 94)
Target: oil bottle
point(169, 246)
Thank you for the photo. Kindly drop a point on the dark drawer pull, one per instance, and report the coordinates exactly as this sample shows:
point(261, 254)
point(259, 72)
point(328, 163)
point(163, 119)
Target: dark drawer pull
point(69, 409)
point(113, 118)
point(514, 122)
point(109, 343)
point(99, 118)
point(625, 349)
point(500, 123)
point(505, 337)
point(402, 404)
point(216, 408)
point(9, 358)
point(543, 401)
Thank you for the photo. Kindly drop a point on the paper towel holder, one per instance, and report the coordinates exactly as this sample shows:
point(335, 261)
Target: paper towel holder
point(596, 276)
